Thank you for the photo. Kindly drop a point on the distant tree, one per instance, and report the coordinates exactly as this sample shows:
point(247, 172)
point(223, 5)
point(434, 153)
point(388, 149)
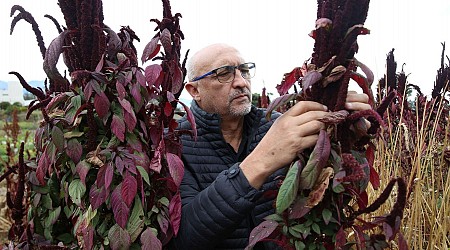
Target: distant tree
point(4, 105)
point(255, 98)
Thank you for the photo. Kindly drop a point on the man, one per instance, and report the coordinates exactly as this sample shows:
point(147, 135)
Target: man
point(238, 154)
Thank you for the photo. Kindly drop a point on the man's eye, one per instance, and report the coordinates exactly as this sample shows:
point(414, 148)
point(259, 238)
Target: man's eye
point(223, 72)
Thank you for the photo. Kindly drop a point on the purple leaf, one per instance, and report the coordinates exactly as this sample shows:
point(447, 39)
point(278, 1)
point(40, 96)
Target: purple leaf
point(114, 42)
point(402, 243)
point(82, 170)
point(166, 41)
point(176, 168)
point(288, 80)
point(100, 63)
point(262, 231)
point(101, 176)
point(119, 207)
point(52, 54)
point(341, 238)
point(155, 163)
point(134, 142)
point(57, 100)
point(101, 104)
point(289, 188)
point(311, 78)
point(119, 238)
point(175, 212)
point(278, 102)
point(118, 127)
point(150, 50)
point(130, 120)
point(149, 241)
point(388, 231)
point(316, 161)
point(152, 73)
point(140, 78)
point(74, 150)
point(42, 168)
point(364, 85)
point(299, 209)
point(335, 74)
point(88, 237)
point(136, 93)
point(97, 196)
point(120, 165)
point(109, 174)
point(177, 83)
point(129, 189)
point(168, 109)
point(128, 114)
point(163, 222)
point(120, 90)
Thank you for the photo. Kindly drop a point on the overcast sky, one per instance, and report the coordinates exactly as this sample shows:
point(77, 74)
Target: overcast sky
point(273, 34)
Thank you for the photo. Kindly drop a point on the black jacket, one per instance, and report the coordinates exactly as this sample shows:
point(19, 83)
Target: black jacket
point(219, 207)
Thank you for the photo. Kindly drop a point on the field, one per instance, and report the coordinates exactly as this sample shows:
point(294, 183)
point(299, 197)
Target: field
point(25, 126)
point(420, 155)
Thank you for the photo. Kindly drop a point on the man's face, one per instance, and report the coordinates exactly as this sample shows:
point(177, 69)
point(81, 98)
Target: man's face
point(230, 99)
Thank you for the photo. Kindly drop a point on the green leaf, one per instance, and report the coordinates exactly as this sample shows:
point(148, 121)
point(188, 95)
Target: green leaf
point(58, 138)
point(164, 201)
point(274, 217)
point(326, 214)
point(288, 190)
point(76, 191)
point(46, 202)
point(52, 217)
point(40, 189)
point(299, 245)
point(315, 228)
point(119, 238)
point(295, 233)
point(65, 238)
point(301, 228)
point(89, 215)
point(73, 134)
point(144, 174)
point(135, 223)
point(76, 101)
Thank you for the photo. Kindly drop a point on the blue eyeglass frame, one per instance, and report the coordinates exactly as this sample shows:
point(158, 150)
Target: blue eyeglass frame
point(215, 70)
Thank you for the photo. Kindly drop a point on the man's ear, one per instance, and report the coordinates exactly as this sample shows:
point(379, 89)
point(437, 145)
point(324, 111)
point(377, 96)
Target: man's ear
point(192, 88)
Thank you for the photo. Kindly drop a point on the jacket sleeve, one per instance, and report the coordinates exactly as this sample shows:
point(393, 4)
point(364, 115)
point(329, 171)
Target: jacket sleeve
point(209, 215)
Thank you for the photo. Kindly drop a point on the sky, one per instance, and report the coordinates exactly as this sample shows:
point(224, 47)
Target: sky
point(272, 34)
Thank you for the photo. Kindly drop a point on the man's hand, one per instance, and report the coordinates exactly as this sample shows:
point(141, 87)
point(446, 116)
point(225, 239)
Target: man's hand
point(292, 132)
point(357, 102)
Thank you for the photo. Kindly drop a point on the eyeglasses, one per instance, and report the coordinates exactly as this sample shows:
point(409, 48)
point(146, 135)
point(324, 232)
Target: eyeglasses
point(226, 74)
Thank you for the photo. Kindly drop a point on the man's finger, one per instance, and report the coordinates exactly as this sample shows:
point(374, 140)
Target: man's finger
point(354, 97)
point(357, 106)
point(305, 106)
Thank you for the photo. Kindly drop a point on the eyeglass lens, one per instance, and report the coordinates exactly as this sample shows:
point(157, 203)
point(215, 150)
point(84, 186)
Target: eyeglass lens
point(227, 74)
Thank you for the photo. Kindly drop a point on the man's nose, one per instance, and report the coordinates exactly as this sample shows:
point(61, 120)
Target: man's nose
point(239, 81)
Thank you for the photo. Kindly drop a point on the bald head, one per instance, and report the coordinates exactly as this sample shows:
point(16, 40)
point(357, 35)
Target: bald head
point(211, 57)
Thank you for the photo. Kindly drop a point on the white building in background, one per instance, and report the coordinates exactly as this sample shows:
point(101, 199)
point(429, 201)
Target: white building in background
point(13, 93)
